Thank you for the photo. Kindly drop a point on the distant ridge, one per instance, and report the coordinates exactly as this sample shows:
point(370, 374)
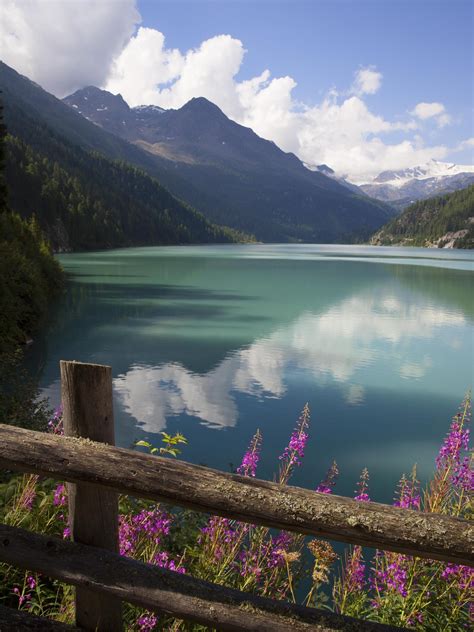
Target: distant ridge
point(405, 186)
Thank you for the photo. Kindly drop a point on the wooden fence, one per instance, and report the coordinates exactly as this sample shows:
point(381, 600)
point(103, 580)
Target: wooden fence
point(97, 472)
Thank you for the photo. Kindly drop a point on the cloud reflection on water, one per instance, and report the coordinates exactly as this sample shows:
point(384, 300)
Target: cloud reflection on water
point(332, 346)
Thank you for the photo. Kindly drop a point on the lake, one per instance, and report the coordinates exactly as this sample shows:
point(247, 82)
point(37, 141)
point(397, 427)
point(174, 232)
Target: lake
point(216, 341)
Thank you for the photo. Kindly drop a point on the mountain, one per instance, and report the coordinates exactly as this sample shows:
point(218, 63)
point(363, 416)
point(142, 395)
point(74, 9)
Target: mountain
point(445, 221)
point(401, 188)
point(233, 175)
point(82, 199)
point(330, 173)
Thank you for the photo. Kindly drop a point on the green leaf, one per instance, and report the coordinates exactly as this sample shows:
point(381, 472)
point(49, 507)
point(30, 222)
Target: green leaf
point(143, 444)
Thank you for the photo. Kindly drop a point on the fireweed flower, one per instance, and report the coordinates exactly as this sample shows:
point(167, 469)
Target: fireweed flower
point(163, 560)
point(28, 495)
point(415, 619)
point(453, 476)
point(60, 495)
point(27, 492)
point(275, 551)
point(408, 492)
point(21, 597)
point(149, 524)
point(463, 476)
point(250, 459)
point(463, 575)
point(363, 487)
point(326, 485)
point(147, 622)
point(355, 571)
point(392, 572)
point(294, 451)
point(456, 439)
point(55, 424)
point(219, 535)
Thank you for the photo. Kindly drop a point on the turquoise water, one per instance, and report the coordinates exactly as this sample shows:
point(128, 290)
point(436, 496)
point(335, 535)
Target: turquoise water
point(215, 341)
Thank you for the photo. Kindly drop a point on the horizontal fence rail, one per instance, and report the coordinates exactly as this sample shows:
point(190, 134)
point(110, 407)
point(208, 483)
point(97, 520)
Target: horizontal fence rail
point(76, 460)
point(20, 621)
point(109, 574)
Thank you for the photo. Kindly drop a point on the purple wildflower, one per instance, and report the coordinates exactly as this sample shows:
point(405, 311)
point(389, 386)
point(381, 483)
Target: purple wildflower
point(147, 622)
point(250, 565)
point(456, 439)
point(354, 571)
point(219, 534)
point(393, 575)
point(294, 451)
point(276, 549)
point(363, 487)
point(27, 497)
point(21, 597)
point(55, 424)
point(163, 560)
point(60, 497)
point(463, 574)
point(463, 476)
point(152, 524)
point(415, 619)
point(408, 493)
point(24, 596)
point(326, 485)
point(250, 459)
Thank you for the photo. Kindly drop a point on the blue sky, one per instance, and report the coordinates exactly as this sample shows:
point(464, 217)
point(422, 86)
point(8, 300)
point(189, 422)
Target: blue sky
point(423, 47)
point(362, 85)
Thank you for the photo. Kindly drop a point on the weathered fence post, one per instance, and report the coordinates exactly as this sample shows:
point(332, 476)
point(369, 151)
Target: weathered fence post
point(86, 391)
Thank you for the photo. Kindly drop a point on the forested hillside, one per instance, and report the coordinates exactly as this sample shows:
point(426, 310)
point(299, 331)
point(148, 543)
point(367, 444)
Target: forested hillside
point(83, 200)
point(443, 221)
point(30, 278)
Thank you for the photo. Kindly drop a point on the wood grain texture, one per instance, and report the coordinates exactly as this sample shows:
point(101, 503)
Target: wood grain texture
point(251, 500)
point(86, 393)
point(162, 590)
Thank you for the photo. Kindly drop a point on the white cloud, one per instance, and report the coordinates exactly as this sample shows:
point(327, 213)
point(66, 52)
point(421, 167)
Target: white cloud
point(367, 81)
point(435, 110)
point(65, 45)
point(468, 143)
point(428, 110)
point(341, 131)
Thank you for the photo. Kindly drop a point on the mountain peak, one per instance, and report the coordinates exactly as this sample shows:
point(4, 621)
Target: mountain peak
point(91, 97)
point(202, 105)
point(325, 169)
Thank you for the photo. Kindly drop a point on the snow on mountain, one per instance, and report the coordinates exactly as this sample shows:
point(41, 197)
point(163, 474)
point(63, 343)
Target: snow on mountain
point(432, 169)
point(401, 188)
point(148, 108)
